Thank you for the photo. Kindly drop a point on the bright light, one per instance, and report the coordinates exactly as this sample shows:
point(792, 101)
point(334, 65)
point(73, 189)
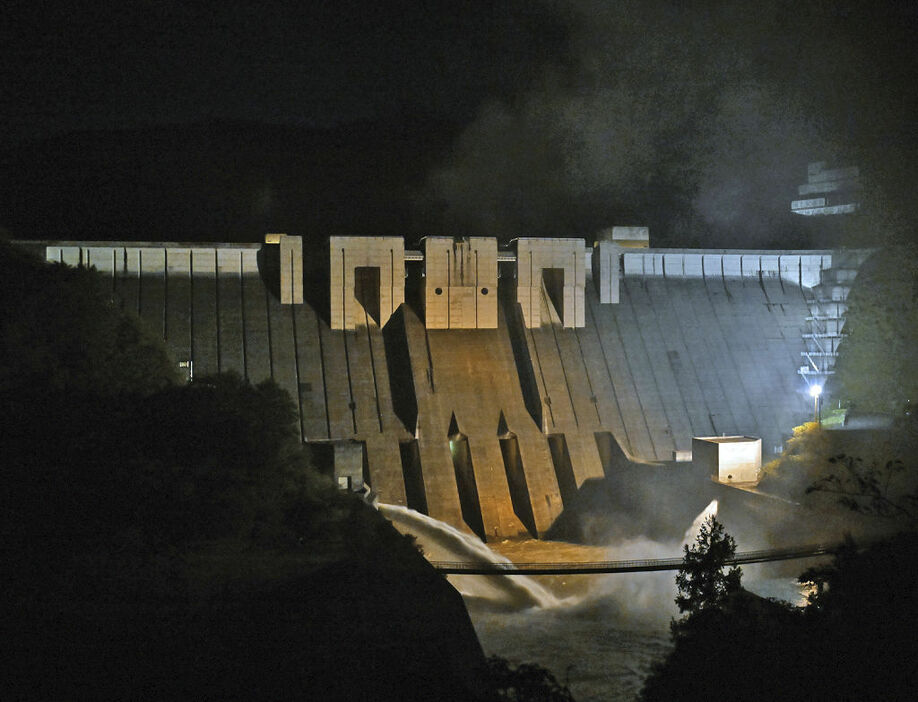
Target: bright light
point(815, 390)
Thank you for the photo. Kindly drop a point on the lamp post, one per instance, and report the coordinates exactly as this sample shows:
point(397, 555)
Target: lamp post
point(816, 392)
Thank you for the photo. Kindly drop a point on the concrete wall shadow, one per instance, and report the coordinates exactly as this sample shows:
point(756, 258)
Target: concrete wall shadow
point(316, 282)
point(268, 258)
point(656, 501)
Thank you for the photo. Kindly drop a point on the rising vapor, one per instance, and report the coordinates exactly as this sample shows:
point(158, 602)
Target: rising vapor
point(697, 120)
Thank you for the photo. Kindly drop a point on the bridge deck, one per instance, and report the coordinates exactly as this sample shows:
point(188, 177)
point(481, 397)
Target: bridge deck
point(631, 566)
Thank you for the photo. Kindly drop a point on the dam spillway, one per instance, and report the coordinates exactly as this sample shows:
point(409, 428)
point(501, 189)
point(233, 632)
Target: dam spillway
point(488, 399)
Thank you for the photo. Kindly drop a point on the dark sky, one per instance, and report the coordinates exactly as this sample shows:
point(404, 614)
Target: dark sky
point(81, 65)
point(570, 114)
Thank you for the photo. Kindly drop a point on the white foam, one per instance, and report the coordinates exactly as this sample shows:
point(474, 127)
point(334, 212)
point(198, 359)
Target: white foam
point(442, 542)
point(692, 533)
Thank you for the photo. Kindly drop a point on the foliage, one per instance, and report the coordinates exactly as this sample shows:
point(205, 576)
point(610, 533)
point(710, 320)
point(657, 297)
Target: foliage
point(860, 578)
point(875, 371)
point(106, 457)
point(113, 485)
point(527, 682)
point(112, 469)
point(803, 461)
point(862, 616)
point(701, 580)
point(60, 330)
point(855, 640)
point(881, 489)
point(166, 541)
point(737, 652)
point(822, 469)
point(183, 538)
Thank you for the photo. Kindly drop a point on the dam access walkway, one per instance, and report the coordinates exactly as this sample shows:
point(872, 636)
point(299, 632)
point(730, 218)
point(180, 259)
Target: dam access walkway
point(629, 566)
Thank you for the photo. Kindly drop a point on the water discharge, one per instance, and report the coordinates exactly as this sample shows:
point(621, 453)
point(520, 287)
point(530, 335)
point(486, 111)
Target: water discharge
point(646, 598)
point(602, 637)
point(442, 542)
point(692, 533)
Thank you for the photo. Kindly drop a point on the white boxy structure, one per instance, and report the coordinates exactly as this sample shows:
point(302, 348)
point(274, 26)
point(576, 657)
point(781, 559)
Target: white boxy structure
point(729, 459)
point(460, 283)
point(367, 279)
point(550, 278)
point(626, 237)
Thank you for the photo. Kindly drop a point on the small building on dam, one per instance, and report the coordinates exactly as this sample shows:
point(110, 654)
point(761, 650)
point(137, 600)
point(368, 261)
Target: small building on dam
point(483, 386)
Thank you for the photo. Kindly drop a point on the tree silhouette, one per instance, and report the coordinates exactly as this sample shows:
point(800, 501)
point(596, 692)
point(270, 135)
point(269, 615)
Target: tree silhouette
point(61, 330)
point(527, 682)
point(702, 582)
point(881, 489)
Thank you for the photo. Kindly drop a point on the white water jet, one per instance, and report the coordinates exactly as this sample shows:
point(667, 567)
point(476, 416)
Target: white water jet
point(691, 533)
point(647, 597)
point(442, 542)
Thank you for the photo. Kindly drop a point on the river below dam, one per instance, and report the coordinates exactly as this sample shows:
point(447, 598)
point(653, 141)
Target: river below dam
point(598, 634)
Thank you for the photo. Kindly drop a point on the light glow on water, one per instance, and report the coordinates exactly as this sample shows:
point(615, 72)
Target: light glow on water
point(442, 542)
point(600, 634)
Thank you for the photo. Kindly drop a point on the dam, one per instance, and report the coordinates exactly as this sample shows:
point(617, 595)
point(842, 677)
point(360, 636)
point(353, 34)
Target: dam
point(483, 386)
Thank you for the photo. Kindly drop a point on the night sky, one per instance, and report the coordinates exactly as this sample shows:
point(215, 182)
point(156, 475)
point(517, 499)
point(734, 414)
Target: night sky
point(559, 117)
point(90, 65)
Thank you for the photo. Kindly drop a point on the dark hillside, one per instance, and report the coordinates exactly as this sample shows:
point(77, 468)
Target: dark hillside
point(174, 541)
point(219, 181)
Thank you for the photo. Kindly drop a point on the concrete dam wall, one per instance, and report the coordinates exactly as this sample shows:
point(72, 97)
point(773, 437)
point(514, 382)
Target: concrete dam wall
point(492, 429)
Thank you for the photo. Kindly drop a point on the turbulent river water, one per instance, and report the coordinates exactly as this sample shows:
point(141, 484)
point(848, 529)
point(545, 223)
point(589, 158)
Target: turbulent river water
point(599, 634)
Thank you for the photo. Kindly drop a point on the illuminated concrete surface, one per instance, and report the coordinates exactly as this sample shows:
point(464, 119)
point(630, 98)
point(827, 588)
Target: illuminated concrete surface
point(550, 277)
point(491, 429)
point(607, 270)
point(627, 237)
point(291, 269)
point(460, 283)
point(729, 459)
point(367, 276)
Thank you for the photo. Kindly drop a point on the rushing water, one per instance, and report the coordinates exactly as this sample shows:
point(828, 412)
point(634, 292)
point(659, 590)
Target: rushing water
point(442, 542)
point(600, 634)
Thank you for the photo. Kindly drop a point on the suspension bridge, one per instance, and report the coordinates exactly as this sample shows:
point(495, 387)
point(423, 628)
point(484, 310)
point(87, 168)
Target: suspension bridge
point(630, 566)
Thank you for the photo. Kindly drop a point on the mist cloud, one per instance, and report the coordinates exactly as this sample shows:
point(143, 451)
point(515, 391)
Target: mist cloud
point(697, 120)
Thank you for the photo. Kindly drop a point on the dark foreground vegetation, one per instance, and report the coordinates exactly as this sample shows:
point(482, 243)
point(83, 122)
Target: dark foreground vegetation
point(173, 541)
point(855, 640)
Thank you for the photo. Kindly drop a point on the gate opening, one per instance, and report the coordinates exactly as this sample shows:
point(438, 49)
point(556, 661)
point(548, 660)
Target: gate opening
point(553, 284)
point(366, 290)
